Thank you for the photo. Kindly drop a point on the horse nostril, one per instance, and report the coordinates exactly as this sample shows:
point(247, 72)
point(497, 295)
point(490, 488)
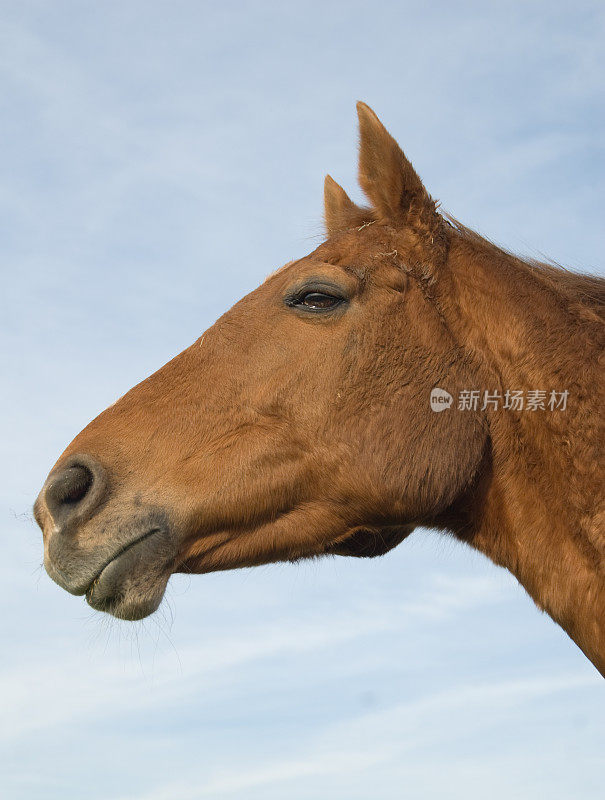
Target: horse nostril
point(73, 491)
point(68, 488)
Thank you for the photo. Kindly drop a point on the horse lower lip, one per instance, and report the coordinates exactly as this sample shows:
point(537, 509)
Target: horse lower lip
point(114, 563)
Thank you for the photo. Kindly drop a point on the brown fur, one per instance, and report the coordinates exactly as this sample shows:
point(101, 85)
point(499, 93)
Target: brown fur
point(283, 435)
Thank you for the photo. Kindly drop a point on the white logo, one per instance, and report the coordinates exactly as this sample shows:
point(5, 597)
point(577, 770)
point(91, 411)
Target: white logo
point(440, 399)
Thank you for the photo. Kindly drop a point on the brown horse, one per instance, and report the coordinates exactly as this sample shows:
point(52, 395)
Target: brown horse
point(407, 372)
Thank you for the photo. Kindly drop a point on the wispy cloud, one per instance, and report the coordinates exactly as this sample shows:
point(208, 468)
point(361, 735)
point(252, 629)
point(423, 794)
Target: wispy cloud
point(65, 693)
point(383, 738)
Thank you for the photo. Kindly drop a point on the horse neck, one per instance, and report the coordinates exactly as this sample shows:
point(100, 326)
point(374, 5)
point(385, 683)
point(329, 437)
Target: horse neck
point(538, 514)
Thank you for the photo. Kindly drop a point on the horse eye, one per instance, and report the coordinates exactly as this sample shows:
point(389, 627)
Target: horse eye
point(319, 300)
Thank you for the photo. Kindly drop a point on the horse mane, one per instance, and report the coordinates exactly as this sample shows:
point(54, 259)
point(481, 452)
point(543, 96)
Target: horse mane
point(583, 290)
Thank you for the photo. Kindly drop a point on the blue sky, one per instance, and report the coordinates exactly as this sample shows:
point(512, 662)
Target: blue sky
point(159, 159)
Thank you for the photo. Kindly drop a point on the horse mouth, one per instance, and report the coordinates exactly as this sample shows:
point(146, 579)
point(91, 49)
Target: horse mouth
point(130, 585)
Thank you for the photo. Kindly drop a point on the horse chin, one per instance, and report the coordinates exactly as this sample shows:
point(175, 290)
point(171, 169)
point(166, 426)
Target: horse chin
point(132, 584)
point(128, 606)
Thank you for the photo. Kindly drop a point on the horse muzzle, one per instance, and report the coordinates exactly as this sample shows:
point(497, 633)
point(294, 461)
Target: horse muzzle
point(120, 559)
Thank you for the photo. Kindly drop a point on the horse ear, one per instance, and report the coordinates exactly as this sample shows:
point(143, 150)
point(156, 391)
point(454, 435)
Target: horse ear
point(386, 176)
point(340, 211)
